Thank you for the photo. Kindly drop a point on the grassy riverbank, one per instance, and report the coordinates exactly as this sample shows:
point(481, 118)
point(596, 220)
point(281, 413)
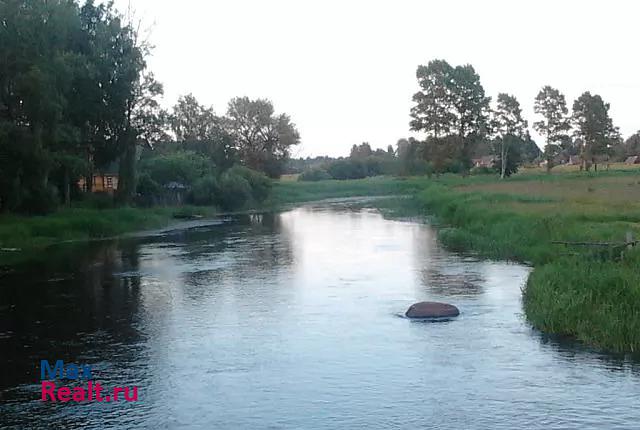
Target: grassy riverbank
point(23, 236)
point(588, 293)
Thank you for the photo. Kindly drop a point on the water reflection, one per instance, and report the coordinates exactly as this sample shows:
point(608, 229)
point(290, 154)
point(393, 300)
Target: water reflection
point(289, 321)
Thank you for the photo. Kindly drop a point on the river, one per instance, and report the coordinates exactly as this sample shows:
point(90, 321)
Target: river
point(295, 321)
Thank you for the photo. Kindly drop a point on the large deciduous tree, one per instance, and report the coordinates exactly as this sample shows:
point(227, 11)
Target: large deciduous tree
point(145, 123)
point(433, 112)
point(554, 125)
point(509, 128)
point(197, 128)
point(69, 80)
point(594, 127)
point(263, 139)
point(451, 101)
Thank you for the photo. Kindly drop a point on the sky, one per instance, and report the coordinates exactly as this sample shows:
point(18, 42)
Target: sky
point(345, 70)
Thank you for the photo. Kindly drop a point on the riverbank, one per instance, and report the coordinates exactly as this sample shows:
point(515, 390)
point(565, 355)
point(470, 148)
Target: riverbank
point(587, 293)
point(24, 236)
point(21, 237)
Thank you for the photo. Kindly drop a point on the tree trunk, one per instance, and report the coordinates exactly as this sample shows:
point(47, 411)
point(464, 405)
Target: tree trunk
point(67, 187)
point(503, 159)
point(127, 172)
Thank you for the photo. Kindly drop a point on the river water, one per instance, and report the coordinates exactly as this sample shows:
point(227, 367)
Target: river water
point(294, 321)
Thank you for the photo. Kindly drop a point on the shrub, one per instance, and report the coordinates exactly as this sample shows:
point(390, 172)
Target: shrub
point(234, 191)
point(314, 174)
point(483, 170)
point(184, 167)
point(260, 184)
point(98, 200)
point(39, 200)
point(204, 190)
point(147, 186)
point(347, 169)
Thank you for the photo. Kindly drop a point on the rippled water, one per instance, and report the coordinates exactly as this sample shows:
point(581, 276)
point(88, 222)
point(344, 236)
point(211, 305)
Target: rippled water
point(294, 321)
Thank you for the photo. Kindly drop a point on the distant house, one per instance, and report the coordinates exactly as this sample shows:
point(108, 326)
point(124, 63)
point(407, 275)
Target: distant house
point(634, 159)
point(486, 161)
point(104, 180)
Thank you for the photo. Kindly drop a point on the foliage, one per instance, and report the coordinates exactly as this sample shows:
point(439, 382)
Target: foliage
point(451, 101)
point(263, 139)
point(314, 174)
point(183, 167)
point(510, 128)
point(205, 191)
point(554, 125)
point(59, 100)
point(260, 184)
point(235, 191)
point(594, 127)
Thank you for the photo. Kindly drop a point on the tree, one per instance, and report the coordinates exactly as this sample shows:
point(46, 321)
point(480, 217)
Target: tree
point(263, 139)
point(191, 121)
point(630, 147)
point(361, 151)
point(451, 101)
point(390, 151)
point(554, 125)
point(432, 113)
point(197, 128)
point(471, 110)
point(144, 125)
point(39, 58)
point(594, 127)
point(509, 128)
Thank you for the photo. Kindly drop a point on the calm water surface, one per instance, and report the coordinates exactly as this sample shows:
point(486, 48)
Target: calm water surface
point(293, 321)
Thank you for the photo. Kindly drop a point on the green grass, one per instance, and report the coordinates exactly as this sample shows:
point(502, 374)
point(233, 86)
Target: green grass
point(291, 192)
point(31, 235)
point(587, 293)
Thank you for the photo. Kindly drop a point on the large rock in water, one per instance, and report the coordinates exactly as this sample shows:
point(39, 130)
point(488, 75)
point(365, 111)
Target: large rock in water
point(432, 310)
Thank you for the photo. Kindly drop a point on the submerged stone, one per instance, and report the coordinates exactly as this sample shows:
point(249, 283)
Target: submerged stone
point(432, 310)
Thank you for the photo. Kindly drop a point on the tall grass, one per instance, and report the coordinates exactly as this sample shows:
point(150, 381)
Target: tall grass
point(288, 192)
point(29, 234)
point(588, 293)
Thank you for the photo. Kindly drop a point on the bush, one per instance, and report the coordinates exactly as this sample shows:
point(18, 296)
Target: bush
point(184, 167)
point(98, 200)
point(204, 191)
point(483, 170)
point(40, 200)
point(314, 174)
point(147, 186)
point(234, 191)
point(260, 184)
point(347, 169)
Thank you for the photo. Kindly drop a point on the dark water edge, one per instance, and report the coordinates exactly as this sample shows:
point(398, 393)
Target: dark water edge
point(290, 320)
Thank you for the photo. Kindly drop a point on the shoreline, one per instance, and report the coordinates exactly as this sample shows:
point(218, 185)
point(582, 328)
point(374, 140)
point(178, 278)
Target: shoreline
point(586, 296)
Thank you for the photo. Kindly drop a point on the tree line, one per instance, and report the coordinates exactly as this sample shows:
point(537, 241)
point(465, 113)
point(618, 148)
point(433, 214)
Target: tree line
point(453, 111)
point(76, 95)
point(462, 124)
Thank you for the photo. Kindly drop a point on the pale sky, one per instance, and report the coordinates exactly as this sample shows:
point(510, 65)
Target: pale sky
point(345, 70)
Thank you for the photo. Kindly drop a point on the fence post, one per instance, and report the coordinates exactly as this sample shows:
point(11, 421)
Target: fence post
point(629, 240)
